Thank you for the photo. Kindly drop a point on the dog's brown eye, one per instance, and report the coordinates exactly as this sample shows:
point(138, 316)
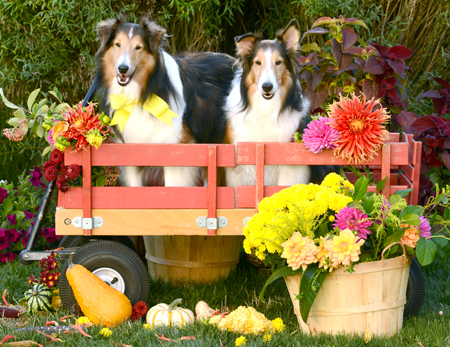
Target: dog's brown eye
point(278, 62)
point(257, 62)
point(117, 44)
point(138, 48)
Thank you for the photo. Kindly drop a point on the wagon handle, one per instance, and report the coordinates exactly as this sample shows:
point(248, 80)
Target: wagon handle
point(389, 246)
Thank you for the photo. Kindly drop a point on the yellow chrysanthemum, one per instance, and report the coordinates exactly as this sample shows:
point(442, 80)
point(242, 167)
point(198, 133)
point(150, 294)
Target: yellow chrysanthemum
point(243, 320)
point(83, 320)
point(299, 251)
point(278, 324)
point(267, 338)
point(240, 341)
point(106, 332)
point(344, 248)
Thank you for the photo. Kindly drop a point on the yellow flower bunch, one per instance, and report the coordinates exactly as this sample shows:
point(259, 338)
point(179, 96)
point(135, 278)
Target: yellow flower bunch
point(300, 208)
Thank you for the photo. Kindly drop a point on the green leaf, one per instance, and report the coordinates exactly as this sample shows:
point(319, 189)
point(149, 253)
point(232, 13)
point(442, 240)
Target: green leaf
point(44, 109)
point(425, 251)
point(20, 214)
point(381, 184)
point(310, 47)
point(394, 237)
point(41, 103)
point(46, 150)
point(40, 130)
point(360, 188)
point(310, 284)
point(32, 98)
point(440, 240)
point(7, 205)
point(278, 273)
point(412, 219)
point(101, 181)
point(51, 92)
point(446, 213)
point(13, 121)
point(6, 102)
point(408, 210)
point(368, 204)
point(19, 113)
point(358, 22)
point(59, 108)
point(394, 199)
point(404, 192)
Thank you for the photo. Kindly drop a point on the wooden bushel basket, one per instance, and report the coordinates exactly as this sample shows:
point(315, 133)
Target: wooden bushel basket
point(372, 299)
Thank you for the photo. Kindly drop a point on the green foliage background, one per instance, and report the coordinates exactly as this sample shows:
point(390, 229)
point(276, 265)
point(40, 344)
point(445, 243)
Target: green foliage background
point(52, 43)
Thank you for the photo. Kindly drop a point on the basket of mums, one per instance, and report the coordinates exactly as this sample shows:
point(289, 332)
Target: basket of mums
point(343, 252)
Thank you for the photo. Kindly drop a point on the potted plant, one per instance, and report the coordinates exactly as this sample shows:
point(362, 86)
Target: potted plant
point(345, 252)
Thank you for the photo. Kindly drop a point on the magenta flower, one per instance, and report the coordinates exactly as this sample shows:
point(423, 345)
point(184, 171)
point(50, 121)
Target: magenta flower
point(36, 176)
point(28, 215)
point(12, 219)
point(13, 235)
point(50, 234)
point(3, 195)
point(320, 135)
point(353, 219)
point(424, 227)
point(50, 140)
point(4, 240)
point(6, 258)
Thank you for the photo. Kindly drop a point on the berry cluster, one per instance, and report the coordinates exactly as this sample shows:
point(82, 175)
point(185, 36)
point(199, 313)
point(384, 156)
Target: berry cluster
point(55, 170)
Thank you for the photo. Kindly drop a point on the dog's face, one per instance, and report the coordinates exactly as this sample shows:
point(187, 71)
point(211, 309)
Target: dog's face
point(129, 51)
point(269, 62)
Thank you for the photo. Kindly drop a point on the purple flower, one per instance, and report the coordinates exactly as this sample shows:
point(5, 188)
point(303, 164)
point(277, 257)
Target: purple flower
point(12, 219)
point(385, 209)
point(13, 235)
point(28, 215)
point(4, 240)
point(3, 195)
point(353, 219)
point(319, 135)
point(424, 227)
point(36, 176)
point(50, 140)
point(6, 258)
point(50, 234)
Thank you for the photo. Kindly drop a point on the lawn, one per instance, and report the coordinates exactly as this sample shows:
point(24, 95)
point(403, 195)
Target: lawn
point(430, 328)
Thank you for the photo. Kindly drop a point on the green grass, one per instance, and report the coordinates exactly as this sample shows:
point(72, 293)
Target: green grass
point(242, 287)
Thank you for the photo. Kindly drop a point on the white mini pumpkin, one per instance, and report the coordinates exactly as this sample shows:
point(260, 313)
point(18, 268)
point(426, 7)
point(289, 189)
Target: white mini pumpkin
point(163, 314)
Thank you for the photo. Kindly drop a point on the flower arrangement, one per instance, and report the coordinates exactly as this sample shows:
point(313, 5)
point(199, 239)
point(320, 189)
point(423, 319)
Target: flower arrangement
point(18, 207)
point(354, 129)
point(314, 229)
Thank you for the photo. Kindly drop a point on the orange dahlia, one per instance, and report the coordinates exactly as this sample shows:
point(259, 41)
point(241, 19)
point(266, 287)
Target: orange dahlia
point(361, 125)
point(299, 251)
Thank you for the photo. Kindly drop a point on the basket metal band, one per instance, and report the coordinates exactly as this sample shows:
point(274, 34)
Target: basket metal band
point(191, 264)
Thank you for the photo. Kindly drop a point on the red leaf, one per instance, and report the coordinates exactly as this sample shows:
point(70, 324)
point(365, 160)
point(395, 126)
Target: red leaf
point(401, 52)
point(6, 338)
point(309, 60)
point(353, 50)
point(398, 66)
point(423, 123)
point(373, 66)
point(4, 297)
point(439, 106)
point(317, 30)
point(352, 66)
point(343, 59)
point(317, 98)
point(383, 50)
point(406, 119)
point(429, 94)
point(368, 89)
point(312, 78)
point(443, 83)
point(348, 37)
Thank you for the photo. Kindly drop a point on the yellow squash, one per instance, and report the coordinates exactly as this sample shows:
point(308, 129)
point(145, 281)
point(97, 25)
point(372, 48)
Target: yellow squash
point(99, 302)
point(163, 314)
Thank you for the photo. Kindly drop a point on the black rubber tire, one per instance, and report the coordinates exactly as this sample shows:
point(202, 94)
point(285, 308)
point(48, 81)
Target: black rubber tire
point(69, 241)
point(110, 254)
point(415, 292)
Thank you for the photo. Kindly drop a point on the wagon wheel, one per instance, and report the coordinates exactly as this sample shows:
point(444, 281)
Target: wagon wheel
point(415, 291)
point(116, 264)
point(69, 241)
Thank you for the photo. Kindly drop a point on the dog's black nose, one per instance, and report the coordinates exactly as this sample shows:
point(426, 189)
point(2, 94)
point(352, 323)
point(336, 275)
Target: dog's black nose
point(123, 69)
point(267, 87)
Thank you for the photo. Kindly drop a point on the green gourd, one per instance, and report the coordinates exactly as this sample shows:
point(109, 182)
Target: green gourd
point(39, 298)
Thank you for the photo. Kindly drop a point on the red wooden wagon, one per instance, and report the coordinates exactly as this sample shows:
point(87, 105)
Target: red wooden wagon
point(115, 212)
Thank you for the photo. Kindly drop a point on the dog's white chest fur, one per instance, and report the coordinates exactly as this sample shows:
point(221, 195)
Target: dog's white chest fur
point(262, 122)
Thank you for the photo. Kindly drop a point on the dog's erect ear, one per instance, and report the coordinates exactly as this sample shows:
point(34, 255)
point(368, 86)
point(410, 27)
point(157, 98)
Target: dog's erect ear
point(156, 33)
point(106, 29)
point(245, 43)
point(290, 36)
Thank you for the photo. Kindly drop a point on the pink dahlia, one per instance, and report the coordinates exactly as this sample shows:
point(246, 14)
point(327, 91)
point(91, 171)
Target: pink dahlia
point(353, 219)
point(299, 251)
point(424, 227)
point(320, 135)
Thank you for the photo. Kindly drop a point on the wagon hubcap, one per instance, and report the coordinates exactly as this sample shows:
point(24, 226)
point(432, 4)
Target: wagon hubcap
point(111, 277)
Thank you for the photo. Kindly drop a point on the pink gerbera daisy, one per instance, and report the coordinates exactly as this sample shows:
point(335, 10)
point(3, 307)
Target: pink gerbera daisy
point(353, 219)
point(320, 135)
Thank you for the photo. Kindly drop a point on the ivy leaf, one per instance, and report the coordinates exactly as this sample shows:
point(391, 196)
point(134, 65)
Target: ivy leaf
point(32, 98)
point(425, 251)
point(381, 184)
point(278, 273)
point(310, 284)
point(360, 188)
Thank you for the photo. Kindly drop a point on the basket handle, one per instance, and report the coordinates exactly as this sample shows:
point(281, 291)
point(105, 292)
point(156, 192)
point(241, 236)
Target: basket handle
point(389, 246)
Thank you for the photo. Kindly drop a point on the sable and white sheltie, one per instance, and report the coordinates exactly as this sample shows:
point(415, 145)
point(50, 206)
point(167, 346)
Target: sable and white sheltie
point(266, 103)
point(132, 62)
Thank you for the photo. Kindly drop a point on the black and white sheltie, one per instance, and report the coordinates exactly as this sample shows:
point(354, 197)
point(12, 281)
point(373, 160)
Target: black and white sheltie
point(132, 62)
point(266, 103)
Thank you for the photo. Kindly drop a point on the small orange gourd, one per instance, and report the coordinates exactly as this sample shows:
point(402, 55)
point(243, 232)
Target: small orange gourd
point(99, 302)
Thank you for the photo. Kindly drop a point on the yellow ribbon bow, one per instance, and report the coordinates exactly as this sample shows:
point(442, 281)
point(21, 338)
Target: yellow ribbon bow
point(154, 104)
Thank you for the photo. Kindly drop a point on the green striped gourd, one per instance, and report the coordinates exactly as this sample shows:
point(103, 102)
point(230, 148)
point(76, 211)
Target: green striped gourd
point(39, 298)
